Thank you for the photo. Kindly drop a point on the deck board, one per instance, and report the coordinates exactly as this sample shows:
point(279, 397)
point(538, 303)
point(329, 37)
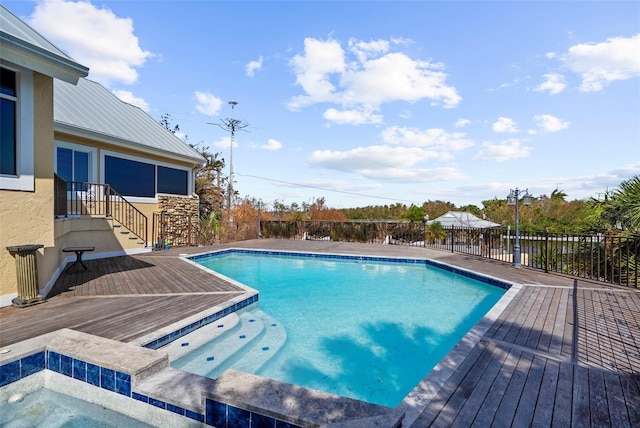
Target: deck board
point(534, 365)
point(546, 396)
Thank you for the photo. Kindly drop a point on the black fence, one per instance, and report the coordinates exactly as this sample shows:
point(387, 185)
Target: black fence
point(612, 258)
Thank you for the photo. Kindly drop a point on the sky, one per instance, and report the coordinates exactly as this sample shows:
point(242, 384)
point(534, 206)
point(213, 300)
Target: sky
point(377, 102)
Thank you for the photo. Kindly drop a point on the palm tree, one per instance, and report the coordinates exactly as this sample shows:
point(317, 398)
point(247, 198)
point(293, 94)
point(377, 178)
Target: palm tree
point(617, 256)
point(623, 210)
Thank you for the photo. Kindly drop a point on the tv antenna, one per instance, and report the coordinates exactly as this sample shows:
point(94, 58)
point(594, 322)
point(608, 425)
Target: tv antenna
point(231, 125)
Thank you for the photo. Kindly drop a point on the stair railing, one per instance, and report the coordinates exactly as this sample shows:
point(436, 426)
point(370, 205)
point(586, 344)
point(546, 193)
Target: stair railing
point(76, 198)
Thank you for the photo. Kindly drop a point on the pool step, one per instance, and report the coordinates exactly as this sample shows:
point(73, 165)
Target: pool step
point(207, 358)
point(251, 358)
point(201, 336)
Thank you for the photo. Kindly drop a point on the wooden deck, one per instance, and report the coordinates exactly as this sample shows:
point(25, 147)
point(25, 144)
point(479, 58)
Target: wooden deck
point(563, 352)
point(120, 298)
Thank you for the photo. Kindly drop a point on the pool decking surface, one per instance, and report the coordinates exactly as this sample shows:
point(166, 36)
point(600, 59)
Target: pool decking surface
point(564, 352)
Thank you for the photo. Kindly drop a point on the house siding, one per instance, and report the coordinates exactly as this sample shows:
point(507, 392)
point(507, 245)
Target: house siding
point(27, 217)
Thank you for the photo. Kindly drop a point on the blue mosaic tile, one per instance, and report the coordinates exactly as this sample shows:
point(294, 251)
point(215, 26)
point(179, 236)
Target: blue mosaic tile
point(242, 336)
point(237, 417)
point(265, 348)
point(53, 361)
point(9, 373)
point(215, 413)
point(80, 370)
point(176, 409)
point(108, 379)
point(66, 365)
point(32, 364)
point(185, 344)
point(93, 374)
point(140, 397)
point(220, 325)
point(262, 421)
point(210, 358)
point(157, 403)
point(194, 415)
point(123, 384)
point(252, 320)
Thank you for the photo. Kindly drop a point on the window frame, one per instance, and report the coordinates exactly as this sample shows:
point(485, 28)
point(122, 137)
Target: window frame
point(155, 163)
point(24, 179)
point(92, 151)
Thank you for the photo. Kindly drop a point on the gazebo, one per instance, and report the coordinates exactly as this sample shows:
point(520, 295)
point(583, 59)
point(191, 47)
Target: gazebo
point(462, 219)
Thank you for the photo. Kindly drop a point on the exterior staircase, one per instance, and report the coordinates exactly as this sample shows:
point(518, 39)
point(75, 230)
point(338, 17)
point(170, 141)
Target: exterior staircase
point(94, 200)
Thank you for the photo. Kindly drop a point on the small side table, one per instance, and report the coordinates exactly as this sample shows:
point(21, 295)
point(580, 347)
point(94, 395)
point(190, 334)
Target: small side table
point(79, 252)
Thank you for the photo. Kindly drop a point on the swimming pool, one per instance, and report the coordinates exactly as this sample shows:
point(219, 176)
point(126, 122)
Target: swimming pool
point(360, 327)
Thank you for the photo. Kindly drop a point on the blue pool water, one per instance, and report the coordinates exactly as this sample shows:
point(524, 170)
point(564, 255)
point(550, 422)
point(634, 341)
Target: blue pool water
point(363, 329)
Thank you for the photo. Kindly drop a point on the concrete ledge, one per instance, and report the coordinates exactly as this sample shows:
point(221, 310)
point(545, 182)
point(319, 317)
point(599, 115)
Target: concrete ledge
point(140, 363)
point(295, 404)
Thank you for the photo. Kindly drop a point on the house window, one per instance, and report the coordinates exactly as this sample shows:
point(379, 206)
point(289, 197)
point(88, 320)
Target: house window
point(16, 127)
point(172, 180)
point(129, 177)
point(8, 122)
point(72, 165)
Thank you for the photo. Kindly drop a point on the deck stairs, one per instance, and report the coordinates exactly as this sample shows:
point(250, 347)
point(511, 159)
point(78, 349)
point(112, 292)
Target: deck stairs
point(125, 236)
point(244, 342)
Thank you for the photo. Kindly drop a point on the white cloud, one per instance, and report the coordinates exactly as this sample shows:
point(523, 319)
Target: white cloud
point(504, 151)
point(549, 123)
point(208, 104)
point(433, 138)
point(387, 163)
point(461, 123)
point(397, 158)
point(365, 50)
point(272, 145)
point(504, 125)
point(313, 70)
point(599, 64)
point(254, 66)
point(224, 143)
point(366, 76)
point(362, 158)
point(553, 82)
point(352, 117)
point(94, 37)
point(128, 97)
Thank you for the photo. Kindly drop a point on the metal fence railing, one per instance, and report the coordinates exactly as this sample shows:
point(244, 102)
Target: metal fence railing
point(610, 258)
point(398, 233)
point(75, 198)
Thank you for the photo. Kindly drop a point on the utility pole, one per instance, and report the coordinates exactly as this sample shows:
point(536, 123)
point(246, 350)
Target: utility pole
point(231, 125)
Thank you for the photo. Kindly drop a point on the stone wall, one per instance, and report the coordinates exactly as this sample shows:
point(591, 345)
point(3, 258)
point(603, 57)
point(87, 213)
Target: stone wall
point(179, 205)
point(177, 223)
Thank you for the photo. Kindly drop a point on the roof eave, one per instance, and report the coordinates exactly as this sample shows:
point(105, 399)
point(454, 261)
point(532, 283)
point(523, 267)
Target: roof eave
point(120, 142)
point(27, 55)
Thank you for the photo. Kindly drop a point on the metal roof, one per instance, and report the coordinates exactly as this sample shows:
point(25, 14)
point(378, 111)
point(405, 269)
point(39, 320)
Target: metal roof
point(462, 219)
point(22, 45)
point(90, 110)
